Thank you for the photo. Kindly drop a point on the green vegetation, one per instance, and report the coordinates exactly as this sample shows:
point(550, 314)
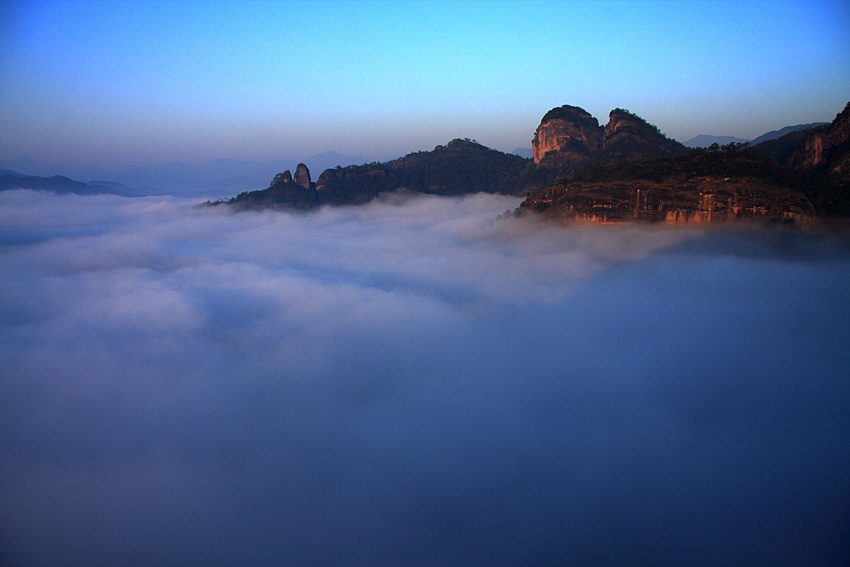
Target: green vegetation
point(458, 168)
point(780, 149)
point(355, 184)
point(644, 125)
point(462, 166)
point(572, 114)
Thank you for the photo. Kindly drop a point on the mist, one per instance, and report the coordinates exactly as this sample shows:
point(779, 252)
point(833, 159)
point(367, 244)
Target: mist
point(417, 381)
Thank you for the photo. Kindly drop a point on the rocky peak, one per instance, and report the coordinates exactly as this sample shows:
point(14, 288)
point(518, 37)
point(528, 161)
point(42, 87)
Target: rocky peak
point(459, 144)
point(302, 176)
point(621, 119)
point(627, 135)
point(840, 127)
point(569, 131)
point(284, 177)
point(568, 137)
point(828, 150)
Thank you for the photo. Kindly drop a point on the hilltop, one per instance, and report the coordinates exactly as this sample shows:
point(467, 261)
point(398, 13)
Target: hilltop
point(568, 137)
point(460, 167)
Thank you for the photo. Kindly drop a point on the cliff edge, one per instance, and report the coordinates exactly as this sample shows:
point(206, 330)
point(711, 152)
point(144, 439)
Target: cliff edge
point(569, 137)
point(827, 151)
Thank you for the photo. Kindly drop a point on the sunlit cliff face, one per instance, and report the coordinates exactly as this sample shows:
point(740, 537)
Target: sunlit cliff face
point(568, 130)
point(827, 149)
point(415, 382)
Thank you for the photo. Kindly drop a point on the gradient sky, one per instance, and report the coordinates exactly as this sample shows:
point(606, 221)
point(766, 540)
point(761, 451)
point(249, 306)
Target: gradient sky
point(113, 84)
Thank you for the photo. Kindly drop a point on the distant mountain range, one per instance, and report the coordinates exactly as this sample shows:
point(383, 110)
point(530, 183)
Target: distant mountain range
point(775, 134)
point(704, 140)
point(217, 177)
point(60, 184)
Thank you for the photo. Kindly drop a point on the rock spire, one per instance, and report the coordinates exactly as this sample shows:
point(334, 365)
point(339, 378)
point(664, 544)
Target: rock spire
point(302, 176)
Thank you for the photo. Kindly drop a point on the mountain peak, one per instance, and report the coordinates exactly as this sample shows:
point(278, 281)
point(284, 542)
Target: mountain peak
point(705, 140)
point(628, 135)
point(461, 144)
point(568, 136)
point(569, 112)
point(302, 176)
point(569, 133)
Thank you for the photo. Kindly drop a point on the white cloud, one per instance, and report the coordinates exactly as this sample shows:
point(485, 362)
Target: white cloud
point(413, 382)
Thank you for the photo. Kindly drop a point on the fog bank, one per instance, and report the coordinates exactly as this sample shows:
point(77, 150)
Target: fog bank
point(415, 382)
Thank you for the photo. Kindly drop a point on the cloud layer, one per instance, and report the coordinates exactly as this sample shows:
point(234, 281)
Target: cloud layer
point(415, 382)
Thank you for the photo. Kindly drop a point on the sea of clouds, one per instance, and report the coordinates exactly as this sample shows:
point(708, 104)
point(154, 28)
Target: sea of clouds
point(417, 381)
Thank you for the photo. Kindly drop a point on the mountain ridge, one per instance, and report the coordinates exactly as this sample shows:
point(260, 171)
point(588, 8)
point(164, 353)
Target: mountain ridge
point(459, 167)
point(567, 137)
point(735, 182)
point(774, 134)
point(221, 176)
point(10, 180)
point(705, 140)
point(625, 170)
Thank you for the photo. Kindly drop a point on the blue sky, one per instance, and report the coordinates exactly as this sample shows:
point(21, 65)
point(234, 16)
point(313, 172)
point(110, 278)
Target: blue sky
point(114, 84)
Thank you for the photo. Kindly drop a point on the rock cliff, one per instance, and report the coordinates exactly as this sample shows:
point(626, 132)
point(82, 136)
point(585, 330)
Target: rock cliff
point(781, 149)
point(699, 200)
point(639, 174)
point(827, 151)
point(567, 135)
point(283, 192)
point(302, 176)
point(284, 177)
point(734, 183)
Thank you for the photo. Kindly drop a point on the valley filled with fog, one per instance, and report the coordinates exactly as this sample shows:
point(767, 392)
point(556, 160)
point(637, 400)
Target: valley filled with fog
point(416, 381)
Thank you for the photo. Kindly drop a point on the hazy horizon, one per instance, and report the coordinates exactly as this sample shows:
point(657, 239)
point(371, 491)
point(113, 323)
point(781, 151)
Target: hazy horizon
point(111, 85)
point(221, 176)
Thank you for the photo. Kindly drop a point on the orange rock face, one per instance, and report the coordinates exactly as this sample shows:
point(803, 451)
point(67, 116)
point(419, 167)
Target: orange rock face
point(302, 176)
point(569, 136)
point(694, 201)
point(828, 150)
point(570, 131)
